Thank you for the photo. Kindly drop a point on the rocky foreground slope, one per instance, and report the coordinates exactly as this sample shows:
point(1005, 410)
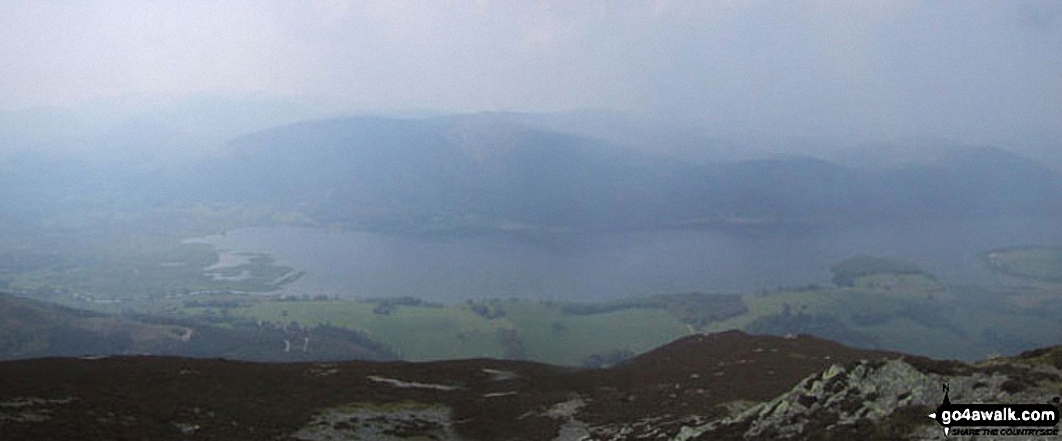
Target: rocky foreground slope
point(729, 385)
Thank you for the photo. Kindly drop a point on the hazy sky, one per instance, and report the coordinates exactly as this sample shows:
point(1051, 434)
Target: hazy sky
point(973, 71)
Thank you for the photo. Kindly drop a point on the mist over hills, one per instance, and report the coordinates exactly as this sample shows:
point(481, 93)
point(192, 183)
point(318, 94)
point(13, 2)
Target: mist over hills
point(146, 131)
point(396, 170)
point(475, 173)
point(490, 171)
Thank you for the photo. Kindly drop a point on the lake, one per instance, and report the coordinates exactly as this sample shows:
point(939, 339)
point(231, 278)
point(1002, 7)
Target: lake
point(614, 265)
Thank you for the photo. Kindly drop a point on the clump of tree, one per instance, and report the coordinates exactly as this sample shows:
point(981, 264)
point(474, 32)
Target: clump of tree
point(384, 309)
point(405, 301)
point(219, 304)
point(846, 272)
point(389, 305)
point(611, 306)
point(486, 311)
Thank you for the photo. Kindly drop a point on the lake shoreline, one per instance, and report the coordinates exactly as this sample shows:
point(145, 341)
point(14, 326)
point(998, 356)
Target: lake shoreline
point(608, 266)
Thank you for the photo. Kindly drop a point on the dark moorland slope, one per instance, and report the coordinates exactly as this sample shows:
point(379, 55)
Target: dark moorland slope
point(720, 386)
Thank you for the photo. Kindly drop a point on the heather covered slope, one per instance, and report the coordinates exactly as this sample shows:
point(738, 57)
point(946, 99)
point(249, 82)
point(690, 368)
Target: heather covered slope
point(719, 386)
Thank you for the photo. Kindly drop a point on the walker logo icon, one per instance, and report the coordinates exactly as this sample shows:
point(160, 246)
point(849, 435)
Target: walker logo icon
point(1017, 419)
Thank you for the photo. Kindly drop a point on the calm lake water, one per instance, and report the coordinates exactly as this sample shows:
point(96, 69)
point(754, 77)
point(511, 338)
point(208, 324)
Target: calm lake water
point(604, 266)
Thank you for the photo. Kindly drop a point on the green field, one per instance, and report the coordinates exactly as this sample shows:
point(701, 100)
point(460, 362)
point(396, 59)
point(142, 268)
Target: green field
point(910, 313)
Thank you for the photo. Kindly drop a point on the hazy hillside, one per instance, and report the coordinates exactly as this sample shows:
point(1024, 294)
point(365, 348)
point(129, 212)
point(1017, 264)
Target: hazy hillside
point(479, 171)
point(456, 174)
point(407, 172)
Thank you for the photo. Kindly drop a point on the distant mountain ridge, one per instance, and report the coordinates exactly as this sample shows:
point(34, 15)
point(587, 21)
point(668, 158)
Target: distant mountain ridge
point(459, 174)
point(406, 171)
point(467, 173)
